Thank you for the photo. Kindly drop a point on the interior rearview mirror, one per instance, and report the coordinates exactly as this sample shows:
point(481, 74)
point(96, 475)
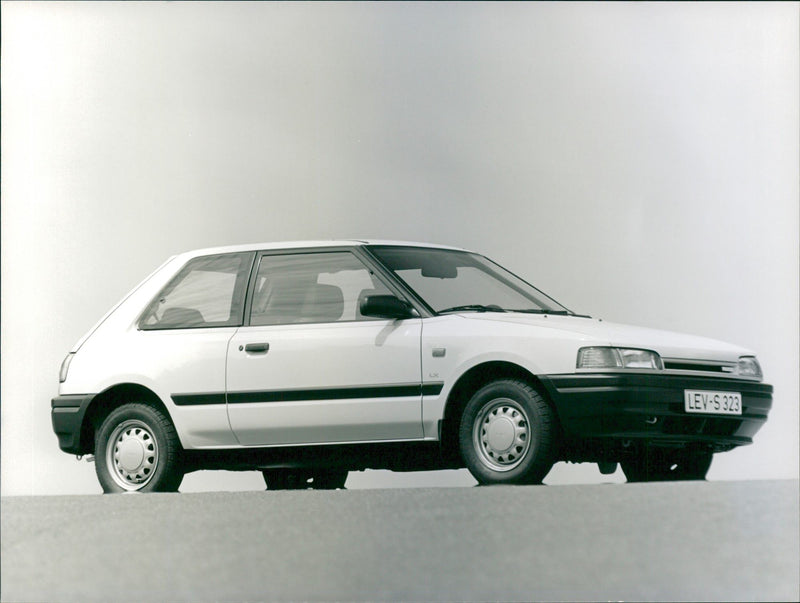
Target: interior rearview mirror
point(439, 270)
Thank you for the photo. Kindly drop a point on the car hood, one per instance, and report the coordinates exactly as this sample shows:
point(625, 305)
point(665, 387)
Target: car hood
point(668, 344)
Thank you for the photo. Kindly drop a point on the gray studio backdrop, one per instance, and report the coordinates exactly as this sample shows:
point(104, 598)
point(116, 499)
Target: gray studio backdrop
point(637, 162)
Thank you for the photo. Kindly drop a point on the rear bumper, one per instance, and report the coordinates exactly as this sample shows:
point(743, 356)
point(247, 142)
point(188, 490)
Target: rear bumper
point(649, 409)
point(67, 413)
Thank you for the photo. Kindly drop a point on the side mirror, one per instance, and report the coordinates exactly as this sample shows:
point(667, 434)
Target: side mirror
point(386, 306)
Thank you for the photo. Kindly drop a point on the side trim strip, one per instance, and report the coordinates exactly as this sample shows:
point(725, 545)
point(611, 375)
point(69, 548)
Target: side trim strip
point(432, 389)
point(198, 399)
point(301, 395)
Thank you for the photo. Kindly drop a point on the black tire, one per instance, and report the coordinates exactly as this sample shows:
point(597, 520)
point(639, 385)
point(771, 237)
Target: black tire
point(137, 450)
point(657, 465)
point(296, 479)
point(278, 479)
point(329, 480)
point(507, 434)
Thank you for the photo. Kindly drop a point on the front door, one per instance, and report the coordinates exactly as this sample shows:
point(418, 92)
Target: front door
point(309, 368)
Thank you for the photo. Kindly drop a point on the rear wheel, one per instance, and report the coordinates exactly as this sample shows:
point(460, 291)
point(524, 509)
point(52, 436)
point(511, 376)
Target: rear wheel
point(667, 465)
point(137, 450)
point(294, 479)
point(507, 434)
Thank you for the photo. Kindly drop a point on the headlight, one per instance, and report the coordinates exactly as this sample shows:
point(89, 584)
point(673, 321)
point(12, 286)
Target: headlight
point(609, 358)
point(748, 367)
point(62, 374)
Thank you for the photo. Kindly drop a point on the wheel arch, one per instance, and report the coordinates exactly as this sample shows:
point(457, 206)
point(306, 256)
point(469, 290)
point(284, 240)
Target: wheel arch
point(111, 398)
point(470, 382)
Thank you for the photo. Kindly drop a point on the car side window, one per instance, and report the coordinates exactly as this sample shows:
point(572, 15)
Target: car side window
point(207, 292)
point(311, 288)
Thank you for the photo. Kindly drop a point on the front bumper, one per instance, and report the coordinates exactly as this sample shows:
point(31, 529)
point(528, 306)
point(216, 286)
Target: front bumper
point(67, 413)
point(649, 409)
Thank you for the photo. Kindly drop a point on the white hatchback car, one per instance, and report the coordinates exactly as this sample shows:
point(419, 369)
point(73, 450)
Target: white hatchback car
point(309, 360)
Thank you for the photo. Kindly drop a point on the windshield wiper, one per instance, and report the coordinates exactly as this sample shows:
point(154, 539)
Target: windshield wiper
point(541, 311)
point(472, 308)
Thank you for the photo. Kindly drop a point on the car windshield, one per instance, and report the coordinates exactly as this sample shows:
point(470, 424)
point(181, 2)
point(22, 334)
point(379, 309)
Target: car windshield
point(458, 281)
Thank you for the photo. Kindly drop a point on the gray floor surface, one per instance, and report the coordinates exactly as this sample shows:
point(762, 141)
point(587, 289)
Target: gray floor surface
point(667, 541)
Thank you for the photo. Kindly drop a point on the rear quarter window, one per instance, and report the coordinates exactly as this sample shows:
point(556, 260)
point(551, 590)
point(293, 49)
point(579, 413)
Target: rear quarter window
point(207, 292)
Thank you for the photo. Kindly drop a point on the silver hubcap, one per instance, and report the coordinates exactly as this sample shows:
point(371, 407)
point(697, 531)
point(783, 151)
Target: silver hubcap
point(502, 434)
point(132, 455)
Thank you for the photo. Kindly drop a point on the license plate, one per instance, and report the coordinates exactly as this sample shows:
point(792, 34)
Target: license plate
point(715, 403)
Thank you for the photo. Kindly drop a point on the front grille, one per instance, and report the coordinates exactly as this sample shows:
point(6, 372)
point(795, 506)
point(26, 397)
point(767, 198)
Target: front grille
point(686, 366)
point(704, 366)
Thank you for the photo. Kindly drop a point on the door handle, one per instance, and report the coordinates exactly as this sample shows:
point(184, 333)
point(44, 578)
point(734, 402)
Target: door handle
point(256, 348)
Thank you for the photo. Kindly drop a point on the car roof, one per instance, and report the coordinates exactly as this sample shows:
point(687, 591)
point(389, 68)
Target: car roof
point(308, 244)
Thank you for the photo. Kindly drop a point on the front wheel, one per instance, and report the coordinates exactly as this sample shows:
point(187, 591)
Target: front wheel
point(137, 450)
point(508, 434)
point(656, 465)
